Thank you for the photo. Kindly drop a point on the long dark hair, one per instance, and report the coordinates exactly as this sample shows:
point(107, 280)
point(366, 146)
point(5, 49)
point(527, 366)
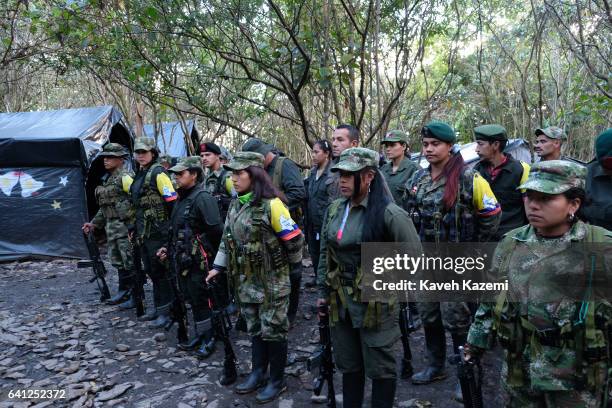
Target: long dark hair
point(325, 146)
point(452, 172)
point(262, 186)
point(579, 193)
point(379, 198)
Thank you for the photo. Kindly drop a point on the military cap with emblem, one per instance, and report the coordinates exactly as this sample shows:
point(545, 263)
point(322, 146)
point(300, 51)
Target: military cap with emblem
point(257, 145)
point(551, 132)
point(186, 163)
point(555, 177)
point(242, 160)
point(490, 132)
point(145, 143)
point(210, 147)
point(355, 159)
point(439, 130)
point(114, 150)
point(393, 136)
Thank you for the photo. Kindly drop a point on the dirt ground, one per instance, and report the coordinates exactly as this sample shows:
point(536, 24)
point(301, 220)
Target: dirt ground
point(56, 335)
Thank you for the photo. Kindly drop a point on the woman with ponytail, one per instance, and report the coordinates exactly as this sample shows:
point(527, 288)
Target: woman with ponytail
point(448, 203)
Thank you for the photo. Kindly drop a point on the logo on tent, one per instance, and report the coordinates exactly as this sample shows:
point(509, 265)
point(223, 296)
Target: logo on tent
point(29, 186)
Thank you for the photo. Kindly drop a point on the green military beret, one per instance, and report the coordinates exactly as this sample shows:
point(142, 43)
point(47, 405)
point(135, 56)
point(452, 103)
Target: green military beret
point(114, 150)
point(555, 177)
point(242, 160)
point(355, 159)
point(490, 132)
point(186, 163)
point(439, 130)
point(257, 145)
point(552, 132)
point(603, 145)
point(145, 143)
point(395, 136)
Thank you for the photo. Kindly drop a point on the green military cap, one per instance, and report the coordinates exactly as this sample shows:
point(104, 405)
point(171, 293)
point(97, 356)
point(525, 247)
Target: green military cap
point(114, 150)
point(242, 160)
point(186, 163)
point(395, 136)
point(603, 145)
point(439, 130)
point(555, 177)
point(552, 132)
point(490, 132)
point(257, 145)
point(145, 143)
point(355, 159)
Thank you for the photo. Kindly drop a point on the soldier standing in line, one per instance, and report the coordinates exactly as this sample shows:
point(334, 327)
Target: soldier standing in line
point(196, 229)
point(218, 181)
point(503, 173)
point(363, 332)
point(286, 177)
point(114, 216)
point(153, 197)
point(598, 208)
point(556, 343)
point(448, 203)
point(261, 244)
point(549, 142)
point(344, 136)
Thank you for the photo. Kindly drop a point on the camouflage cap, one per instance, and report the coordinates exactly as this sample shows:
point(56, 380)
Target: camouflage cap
point(395, 136)
point(490, 132)
point(242, 160)
point(439, 130)
point(257, 145)
point(165, 158)
point(186, 163)
point(145, 143)
point(114, 150)
point(555, 177)
point(355, 159)
point(552, 132)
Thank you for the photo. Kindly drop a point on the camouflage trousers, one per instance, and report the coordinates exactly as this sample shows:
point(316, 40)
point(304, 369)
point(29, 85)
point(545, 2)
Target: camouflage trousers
point(268, 320)
point(456, 316)
point(522, 397)
point(120, 255)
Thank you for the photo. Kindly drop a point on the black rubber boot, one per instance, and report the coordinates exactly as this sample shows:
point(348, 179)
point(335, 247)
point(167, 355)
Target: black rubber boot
point(207, 348)
point(120, 297)
point(383, 392)
point(277, 354)
point(163, 318)
point(352, 389)
point(149, 315)
point(259, 359)
point(435, 339)
point(196, 340)
point(406, 369)
point(294, 296)
point(128, 304)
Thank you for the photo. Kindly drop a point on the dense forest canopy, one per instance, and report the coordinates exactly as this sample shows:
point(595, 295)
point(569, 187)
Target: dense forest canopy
point(289, 70)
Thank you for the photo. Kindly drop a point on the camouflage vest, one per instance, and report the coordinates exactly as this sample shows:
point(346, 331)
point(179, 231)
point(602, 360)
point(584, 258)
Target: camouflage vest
point(433, 222)
point(587, 334)
point(374, 310)
point(258, 263)
point(151, 203)
point(113, 201)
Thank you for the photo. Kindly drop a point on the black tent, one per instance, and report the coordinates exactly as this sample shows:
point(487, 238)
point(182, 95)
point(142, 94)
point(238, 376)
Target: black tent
point(47, 172)
point(172, 138)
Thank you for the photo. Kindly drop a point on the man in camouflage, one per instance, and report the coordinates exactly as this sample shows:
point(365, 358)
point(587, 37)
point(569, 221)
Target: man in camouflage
point(114, 215)
point(549, 142)
point(285, 175)
point(217, 182)
point(556, 343)
point(261, 244)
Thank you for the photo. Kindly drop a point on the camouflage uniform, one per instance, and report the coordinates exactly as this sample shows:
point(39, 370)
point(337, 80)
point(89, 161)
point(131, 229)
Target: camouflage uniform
point(153, 196)
point(261, 244)
point(397, 180)
point(554, 132)
point(196, 233)
point(545, 365)
point(474, 217)
point(115, 214)
point(363, 333)
point(219, 184)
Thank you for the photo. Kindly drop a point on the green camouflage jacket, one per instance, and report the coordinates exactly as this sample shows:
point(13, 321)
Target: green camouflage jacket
point(527, 327)
point(115, 211)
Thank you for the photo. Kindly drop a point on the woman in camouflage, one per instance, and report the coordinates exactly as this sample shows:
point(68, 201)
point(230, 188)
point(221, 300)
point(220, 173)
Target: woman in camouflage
point(553, 322)
point(261, 244)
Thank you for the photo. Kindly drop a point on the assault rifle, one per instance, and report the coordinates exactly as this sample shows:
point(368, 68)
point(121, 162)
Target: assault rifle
point(95, 262)
point(409, 322)
point(470, 378)
point(178, 311)
point(222, 325)
point(323, 360)
point(138, 279)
